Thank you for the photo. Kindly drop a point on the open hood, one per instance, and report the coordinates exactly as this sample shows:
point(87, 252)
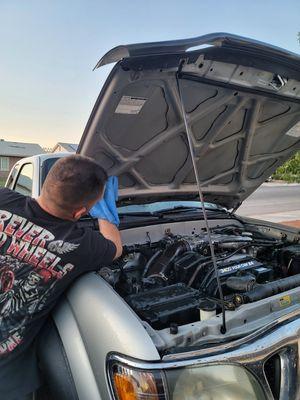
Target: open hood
point(242, 103)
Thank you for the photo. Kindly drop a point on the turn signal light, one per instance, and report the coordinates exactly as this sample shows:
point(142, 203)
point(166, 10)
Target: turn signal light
point(130, 384)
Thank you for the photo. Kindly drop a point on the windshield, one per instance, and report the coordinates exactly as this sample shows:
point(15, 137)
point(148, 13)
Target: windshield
point(141, 208)
point(164, 205)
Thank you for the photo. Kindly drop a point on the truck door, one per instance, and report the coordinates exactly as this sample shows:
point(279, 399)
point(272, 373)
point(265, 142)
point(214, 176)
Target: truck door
point(12, 177)
point(24, 182)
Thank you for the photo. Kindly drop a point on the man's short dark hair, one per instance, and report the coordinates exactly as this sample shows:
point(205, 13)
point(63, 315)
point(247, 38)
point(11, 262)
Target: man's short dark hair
point(74, 182)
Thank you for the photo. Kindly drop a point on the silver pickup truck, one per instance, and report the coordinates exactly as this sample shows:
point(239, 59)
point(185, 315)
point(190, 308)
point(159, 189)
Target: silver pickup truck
point(203, 304)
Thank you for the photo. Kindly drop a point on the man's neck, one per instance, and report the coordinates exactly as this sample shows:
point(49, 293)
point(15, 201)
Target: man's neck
point(52, 210)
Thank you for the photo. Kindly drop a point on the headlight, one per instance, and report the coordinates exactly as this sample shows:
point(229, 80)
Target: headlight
point(213, 382)
point(210, 382)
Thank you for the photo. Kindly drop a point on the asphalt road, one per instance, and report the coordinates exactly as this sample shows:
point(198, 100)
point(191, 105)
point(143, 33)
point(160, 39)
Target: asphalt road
point(273, 201)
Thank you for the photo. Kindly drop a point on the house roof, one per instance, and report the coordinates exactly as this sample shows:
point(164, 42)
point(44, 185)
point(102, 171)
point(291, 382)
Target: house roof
point(19, 149)
point(70, 147)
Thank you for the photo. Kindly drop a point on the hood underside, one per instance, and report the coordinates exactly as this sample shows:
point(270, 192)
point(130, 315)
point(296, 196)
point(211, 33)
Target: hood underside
point(242, 103)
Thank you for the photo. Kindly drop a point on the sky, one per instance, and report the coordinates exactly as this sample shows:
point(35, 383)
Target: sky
point(48, 49)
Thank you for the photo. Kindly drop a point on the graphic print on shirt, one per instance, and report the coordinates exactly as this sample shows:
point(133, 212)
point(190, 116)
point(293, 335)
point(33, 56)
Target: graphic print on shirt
point(30, 267)
point(61, 247)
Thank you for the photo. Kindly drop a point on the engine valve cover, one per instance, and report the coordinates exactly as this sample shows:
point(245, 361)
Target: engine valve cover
point(234, 265)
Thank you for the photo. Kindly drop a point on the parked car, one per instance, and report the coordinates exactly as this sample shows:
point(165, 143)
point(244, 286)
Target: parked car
point(187, 312)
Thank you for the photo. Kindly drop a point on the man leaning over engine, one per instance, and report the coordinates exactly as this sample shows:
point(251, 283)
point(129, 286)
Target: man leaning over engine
point(42, 250)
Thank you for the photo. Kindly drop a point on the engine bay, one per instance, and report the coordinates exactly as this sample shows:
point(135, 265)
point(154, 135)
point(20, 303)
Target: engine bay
point(172, 282)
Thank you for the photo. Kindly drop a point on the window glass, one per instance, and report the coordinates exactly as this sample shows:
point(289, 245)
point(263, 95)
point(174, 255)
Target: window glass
point(4, 164)
point(24, 181)
point(165, 205)
point(47, 165)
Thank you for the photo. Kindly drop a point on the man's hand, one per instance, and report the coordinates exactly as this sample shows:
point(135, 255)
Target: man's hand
point(106, 212)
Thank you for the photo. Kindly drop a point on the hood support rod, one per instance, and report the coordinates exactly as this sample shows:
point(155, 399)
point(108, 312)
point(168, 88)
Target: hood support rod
point(211, 246)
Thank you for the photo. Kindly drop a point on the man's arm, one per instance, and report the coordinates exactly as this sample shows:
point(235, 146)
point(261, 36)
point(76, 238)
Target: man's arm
point(106, 212)
point(111, 232)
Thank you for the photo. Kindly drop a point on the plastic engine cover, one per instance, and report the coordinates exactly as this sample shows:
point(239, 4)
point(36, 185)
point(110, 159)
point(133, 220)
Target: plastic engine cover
point(160, 307)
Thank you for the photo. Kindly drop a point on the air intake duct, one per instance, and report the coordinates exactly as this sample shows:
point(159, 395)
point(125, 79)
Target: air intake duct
point(160, 265)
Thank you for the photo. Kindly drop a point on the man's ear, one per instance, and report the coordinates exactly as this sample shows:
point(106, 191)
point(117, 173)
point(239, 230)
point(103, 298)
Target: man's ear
point(79, 213)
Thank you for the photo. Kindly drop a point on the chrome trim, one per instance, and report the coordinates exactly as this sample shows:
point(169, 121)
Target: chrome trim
point(289, 378)
point(281, 338)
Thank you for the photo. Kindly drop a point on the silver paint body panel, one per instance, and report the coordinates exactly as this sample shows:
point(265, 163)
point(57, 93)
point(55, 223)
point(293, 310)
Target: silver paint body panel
point(93, 321)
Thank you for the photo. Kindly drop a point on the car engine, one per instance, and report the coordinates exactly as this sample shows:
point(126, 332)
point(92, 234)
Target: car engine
point(173, 282)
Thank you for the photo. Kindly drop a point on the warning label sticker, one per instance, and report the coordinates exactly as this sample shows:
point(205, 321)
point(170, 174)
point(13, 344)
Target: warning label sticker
point(294, 131)
point(130, 105)
point(285, 301)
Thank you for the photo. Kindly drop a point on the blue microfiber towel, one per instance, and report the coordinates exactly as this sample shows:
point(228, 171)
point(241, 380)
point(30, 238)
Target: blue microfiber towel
point(106, 208)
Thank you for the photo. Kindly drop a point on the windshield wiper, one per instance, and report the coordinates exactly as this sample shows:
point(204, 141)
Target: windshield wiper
point(173, 210)
point(182, 209)
point(140, 214)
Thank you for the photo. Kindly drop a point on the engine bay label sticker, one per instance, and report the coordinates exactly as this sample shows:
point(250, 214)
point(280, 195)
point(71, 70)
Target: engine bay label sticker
point(294, 131)
point(285, 301)
point(130, 105)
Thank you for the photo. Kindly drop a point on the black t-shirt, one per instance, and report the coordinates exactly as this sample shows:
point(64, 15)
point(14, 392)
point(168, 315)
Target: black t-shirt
point(40, 255)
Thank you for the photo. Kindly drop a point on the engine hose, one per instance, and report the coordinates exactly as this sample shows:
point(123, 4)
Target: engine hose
point(204, 264)
point(262, 291)
point(151, 261)
point(241, 283)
